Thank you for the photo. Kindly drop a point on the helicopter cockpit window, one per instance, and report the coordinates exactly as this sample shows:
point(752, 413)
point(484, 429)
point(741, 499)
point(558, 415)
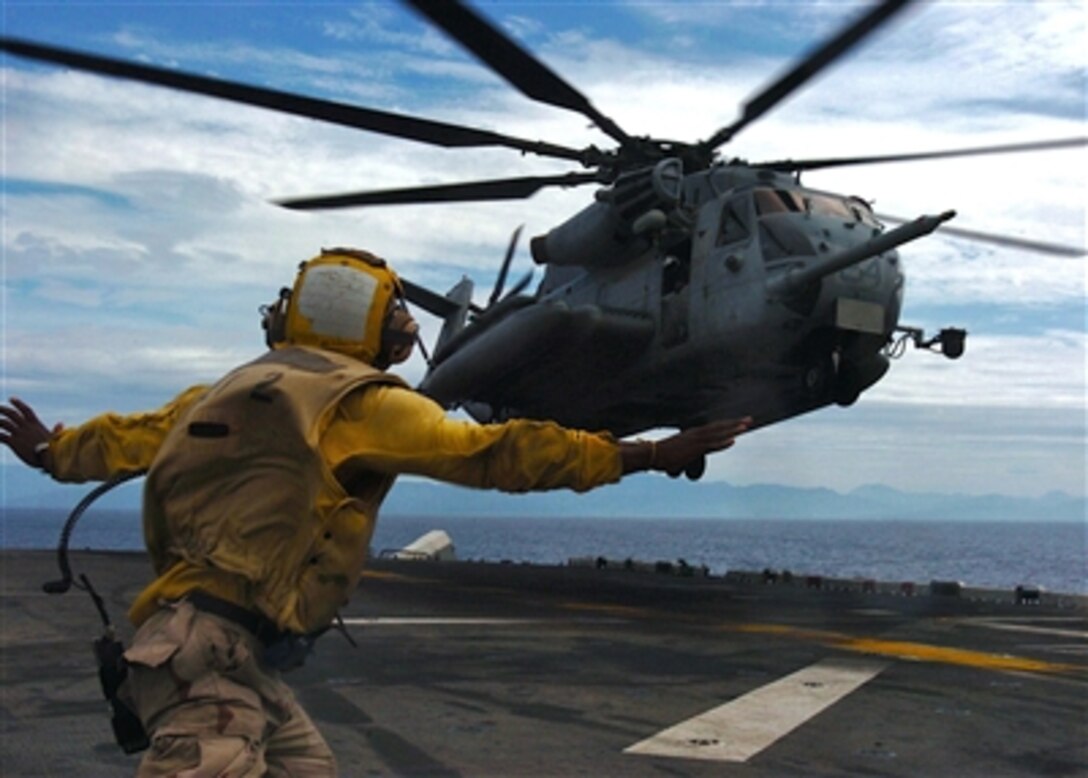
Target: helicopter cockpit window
point(825, 205)
point(779, 234)
point(775, 201)
point(732, 228)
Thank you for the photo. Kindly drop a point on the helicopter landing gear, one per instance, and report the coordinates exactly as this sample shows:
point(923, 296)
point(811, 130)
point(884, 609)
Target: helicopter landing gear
point(839, 371)
point(831, 378)
point(817, 376)
point(847, 386)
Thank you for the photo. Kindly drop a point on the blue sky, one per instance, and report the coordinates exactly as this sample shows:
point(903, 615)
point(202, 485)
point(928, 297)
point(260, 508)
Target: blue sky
point(138, 238)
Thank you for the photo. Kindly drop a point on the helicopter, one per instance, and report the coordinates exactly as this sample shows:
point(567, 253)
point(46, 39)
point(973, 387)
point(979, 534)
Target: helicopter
point(692, 287)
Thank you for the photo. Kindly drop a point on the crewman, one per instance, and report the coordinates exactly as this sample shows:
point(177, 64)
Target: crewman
point(261, 497)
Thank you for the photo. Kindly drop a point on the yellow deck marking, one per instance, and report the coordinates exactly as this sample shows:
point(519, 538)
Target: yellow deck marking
point(381, 575)
point(918, 652)
point(898, 649)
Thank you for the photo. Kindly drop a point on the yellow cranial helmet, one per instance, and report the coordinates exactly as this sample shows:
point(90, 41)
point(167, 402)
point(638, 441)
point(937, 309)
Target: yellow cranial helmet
point(339, 302)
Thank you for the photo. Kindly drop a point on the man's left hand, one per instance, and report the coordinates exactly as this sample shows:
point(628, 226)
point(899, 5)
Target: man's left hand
point(24, 433)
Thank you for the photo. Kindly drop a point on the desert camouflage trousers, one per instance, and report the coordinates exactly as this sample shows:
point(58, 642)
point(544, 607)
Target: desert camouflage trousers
point(210, 708)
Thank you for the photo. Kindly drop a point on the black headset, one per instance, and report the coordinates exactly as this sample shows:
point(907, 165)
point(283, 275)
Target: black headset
point(274, 318)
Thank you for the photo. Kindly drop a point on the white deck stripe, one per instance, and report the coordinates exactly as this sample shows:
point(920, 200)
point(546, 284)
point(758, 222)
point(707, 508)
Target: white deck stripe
point(738, 730)
point(399, 621)
point(1029, 628)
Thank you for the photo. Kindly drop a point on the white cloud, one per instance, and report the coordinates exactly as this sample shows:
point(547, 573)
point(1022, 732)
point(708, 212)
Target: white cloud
point(1025, 451)
point(172, 239)
point(806, 22)
point(1009, 371)
point(377, 24)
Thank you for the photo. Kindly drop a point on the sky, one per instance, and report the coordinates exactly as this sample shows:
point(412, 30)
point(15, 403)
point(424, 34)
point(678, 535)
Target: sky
point(139, 236)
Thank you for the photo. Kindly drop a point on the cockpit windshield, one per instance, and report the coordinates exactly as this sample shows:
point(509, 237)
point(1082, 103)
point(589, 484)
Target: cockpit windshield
point(850, 208)
point(826, 205)
point(854, 209)
point(776, 201)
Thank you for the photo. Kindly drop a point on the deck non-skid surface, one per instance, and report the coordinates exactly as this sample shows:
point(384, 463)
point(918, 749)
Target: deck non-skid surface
point(510, 670)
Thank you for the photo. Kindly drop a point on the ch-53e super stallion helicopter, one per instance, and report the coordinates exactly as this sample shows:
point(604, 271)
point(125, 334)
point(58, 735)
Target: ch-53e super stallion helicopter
point(691, 288)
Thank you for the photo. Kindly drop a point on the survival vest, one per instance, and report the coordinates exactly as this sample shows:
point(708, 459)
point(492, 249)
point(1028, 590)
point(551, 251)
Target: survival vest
point(240, 485)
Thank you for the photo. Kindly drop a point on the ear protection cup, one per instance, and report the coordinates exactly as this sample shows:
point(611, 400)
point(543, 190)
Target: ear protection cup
point(398, 336)
point(275, 318)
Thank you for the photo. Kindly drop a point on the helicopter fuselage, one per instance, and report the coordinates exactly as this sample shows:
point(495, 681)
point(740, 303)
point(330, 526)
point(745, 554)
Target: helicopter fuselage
point(690, 306)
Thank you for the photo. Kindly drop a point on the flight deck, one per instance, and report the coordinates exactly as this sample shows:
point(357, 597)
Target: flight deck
point(478, 669)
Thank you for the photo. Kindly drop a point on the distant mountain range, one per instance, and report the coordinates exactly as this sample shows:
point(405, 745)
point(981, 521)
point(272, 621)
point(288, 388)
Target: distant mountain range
point(645, 496)
point(662, 497)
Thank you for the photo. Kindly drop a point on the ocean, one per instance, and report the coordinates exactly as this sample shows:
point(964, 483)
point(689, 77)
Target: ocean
point(998, 554)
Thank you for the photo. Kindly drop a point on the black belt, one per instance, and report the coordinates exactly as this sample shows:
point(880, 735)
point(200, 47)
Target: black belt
point(257, 624)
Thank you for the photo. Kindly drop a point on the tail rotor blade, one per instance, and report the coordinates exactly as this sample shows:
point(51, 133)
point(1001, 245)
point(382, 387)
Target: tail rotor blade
point(523, 282)
point(504, 269)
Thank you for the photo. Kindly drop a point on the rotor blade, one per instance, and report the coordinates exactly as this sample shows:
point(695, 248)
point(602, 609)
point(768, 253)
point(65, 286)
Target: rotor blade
point(806, 69)
point(397, 125)
point(491, 46)
point(504, 269)
point(1037, 246)
point(430, 301)
point(787, 165)
point(523, 282)
point(497, 189)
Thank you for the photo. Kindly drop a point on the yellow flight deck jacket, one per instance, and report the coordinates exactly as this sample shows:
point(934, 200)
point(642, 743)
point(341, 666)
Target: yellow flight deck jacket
point(264, 488)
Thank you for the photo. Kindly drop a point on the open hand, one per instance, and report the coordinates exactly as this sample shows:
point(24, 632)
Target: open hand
point(675, 453)
point(684, 451)
point(23, 432)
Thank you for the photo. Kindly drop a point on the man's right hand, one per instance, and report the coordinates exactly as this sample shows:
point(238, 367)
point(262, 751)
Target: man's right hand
point(674, 453)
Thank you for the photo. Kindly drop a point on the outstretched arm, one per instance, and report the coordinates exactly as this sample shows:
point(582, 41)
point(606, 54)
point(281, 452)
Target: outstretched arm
point(395, 431)
point(99, 448)
point(674, 453)
point(23, 432)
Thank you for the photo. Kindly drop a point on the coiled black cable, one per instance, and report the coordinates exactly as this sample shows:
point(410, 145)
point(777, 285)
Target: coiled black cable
point(65, 582)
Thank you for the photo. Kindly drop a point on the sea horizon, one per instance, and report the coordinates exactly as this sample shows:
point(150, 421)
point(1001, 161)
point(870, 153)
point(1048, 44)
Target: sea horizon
point(991, 553)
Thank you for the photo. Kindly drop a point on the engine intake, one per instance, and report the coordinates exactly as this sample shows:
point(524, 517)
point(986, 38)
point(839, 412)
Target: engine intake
point(616, 228)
